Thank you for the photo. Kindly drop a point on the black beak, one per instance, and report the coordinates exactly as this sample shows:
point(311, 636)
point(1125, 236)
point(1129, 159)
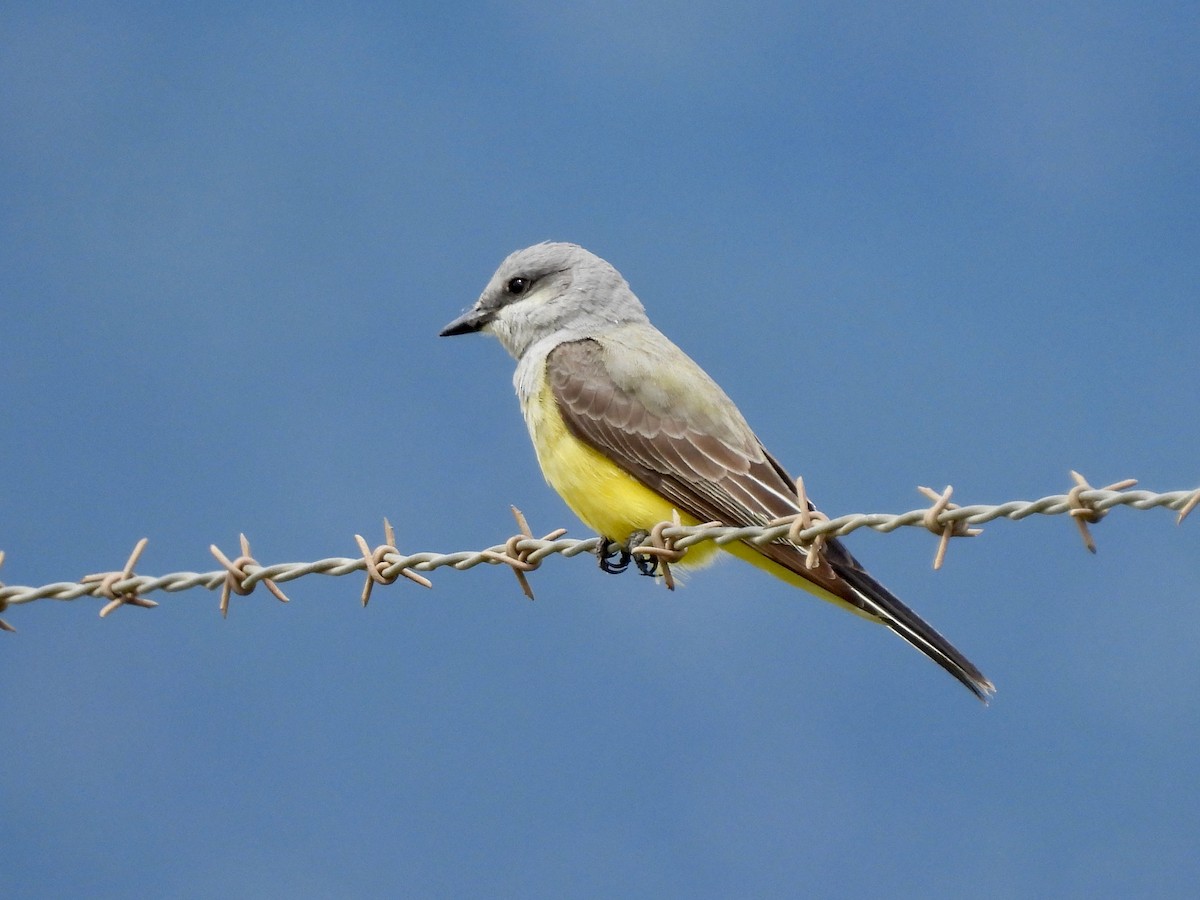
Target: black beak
point(468, 323)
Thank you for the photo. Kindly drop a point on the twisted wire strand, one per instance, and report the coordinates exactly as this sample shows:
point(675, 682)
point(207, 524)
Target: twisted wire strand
point(523, 552)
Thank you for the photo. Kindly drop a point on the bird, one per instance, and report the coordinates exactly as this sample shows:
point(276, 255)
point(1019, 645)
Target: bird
point(630, 431)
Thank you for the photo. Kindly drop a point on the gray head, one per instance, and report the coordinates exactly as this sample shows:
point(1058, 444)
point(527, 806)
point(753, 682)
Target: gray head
point(550, 289)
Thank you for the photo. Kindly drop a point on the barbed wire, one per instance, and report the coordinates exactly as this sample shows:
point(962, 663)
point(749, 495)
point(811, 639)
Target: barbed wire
point(666, 543)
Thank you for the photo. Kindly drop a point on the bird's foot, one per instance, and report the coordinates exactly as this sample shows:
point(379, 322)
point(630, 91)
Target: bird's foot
point(614, 562)
point(647, 563)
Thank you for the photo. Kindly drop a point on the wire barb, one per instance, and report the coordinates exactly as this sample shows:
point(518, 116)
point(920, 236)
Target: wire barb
point(1084, 510)
point(944, 530)
point(661, 549)
point(518, 557)
point(373, 559)
point(808, 517)
point(1187, 507)
point(106, 583)
point(238, 574)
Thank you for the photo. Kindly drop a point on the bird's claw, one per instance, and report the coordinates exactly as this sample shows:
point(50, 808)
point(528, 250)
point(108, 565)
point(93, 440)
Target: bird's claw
point(614, 562)
point(647, 565)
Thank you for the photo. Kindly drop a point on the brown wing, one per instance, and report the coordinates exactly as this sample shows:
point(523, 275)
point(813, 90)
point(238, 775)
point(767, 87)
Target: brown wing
point(658, 415)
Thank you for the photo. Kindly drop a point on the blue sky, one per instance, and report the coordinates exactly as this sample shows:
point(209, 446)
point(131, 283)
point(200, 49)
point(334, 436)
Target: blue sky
point(919, 244)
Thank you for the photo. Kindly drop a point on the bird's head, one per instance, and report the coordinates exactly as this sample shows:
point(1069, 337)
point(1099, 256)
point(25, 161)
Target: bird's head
point(549, 289)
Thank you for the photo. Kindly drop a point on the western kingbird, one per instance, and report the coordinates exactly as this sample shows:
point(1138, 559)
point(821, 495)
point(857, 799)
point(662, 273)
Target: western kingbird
point(628, 429)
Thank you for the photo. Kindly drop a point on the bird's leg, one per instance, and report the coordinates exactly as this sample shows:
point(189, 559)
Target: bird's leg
point(606, 557)
point(646, 564)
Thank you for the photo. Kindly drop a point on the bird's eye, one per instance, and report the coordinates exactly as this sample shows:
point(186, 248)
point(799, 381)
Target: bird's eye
point(517, 286)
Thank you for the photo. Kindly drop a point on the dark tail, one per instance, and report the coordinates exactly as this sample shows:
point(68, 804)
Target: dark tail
point(842, 575)
point(878, 600)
